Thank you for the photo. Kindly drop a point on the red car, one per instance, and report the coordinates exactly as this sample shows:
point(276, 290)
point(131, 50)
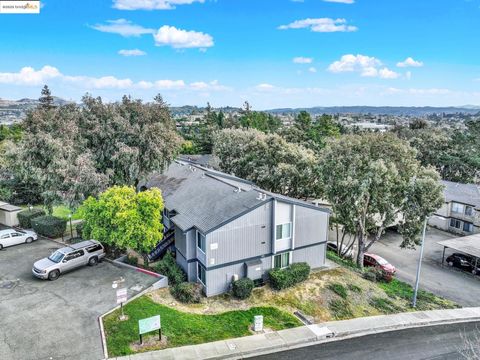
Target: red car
point(381, 264)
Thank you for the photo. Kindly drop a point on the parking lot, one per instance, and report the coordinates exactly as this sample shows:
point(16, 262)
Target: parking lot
point(451, 283)
point(43, 320)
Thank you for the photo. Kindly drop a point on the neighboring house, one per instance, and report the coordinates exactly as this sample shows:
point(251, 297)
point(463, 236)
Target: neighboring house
point(461, 212)
point(226, 228)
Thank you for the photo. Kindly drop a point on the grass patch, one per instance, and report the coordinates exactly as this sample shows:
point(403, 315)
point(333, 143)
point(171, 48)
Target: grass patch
point(333, 256)
point(385, 306)
point(397, 289)
point(340, 309)
point(186, 328)
point(354, 288)
point(338, 289)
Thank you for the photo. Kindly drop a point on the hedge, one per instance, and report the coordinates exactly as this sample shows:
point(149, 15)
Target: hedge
point(242, 288)
point(49, 226)
point(188, 293)
point(25, 217)
point(169, 267)
point(79, 228)
point(284, 278)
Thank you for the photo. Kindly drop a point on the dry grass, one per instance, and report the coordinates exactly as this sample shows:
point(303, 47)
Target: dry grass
point(314, 298)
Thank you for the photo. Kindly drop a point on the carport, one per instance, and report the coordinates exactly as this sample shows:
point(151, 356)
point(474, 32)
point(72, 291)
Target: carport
point(469, 245)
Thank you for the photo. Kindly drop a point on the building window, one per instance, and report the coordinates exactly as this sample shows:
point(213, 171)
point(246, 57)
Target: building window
point(281, 261)
point(458, 208)
point(201, 274)
point(467, 227)
point(201, 242)
point(284, 231)
point(457, 224)
point(468, 210)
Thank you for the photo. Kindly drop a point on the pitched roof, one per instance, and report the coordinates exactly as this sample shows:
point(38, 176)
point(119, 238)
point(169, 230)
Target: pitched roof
point(206, 199)
point(463, 193)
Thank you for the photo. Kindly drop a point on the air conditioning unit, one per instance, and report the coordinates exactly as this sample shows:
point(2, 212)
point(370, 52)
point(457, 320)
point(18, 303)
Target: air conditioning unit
point(235, 277)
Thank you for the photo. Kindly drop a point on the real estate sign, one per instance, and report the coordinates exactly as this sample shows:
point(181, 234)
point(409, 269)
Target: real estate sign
point(149, 324)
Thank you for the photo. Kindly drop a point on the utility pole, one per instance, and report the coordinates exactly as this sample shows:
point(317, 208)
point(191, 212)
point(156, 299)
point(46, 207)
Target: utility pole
point(414, 302)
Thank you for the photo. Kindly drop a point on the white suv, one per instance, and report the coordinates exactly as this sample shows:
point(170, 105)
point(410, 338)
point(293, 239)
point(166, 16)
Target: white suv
point(88, 252)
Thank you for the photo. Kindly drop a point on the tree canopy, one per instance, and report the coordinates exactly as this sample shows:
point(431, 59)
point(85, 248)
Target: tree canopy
point(374, 181)
point(123, 218)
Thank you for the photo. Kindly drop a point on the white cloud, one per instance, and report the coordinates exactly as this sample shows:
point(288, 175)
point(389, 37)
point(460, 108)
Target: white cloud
point(312, 69)
point(28, 76)
point(421, 92)
point(264, 86)
point(321, 25)
point(367, 66)
point(132, 52)
point(122, 27)
point(410, 62)
point(341, 1)
point(178, 38)
point(151, 4)
point(302, 60)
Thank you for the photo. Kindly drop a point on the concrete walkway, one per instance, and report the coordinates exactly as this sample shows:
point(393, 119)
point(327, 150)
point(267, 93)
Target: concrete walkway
point(256, 345)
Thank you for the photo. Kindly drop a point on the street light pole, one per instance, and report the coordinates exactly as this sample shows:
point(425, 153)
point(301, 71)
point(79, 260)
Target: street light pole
point(414, 302)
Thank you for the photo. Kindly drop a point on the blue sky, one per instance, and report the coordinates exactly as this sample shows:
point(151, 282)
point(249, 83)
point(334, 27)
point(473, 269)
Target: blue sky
point(273, 53)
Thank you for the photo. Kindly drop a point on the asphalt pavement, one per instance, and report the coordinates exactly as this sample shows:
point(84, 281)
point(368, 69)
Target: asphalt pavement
point(451, 283)
point(41, 319)
point(440, 342)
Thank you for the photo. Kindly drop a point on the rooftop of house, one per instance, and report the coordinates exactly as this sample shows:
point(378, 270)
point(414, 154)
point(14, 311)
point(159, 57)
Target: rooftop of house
point(463, 193)
point(206, 199)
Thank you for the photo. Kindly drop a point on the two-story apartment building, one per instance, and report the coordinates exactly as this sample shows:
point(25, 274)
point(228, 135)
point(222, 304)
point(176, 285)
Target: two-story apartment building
point(460, 214)
point(227, 228)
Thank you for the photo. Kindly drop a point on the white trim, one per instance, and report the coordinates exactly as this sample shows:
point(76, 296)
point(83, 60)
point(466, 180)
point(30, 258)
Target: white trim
point(294, 210)
point(198, 277)
point(290, 228)
point(196, 240)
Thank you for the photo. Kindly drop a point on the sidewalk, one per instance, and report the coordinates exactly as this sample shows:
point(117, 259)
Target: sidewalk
point(255, 345)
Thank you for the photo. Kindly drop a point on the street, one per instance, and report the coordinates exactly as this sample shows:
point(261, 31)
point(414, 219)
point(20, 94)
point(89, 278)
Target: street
point(441, 342)
point(451, 283)
point(55, 320)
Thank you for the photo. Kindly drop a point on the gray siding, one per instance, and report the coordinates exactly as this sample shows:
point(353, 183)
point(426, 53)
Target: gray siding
point(313, 255)
point(181, 241)
point(219, 280)
point(243, 238)
point(311, 226)
point(182, 262)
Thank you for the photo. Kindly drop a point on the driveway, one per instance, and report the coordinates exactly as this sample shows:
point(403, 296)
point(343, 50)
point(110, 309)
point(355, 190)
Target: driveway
point(450, 283)
point(42, 320)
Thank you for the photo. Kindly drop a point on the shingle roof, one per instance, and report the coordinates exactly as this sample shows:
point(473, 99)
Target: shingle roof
point(205, 199)
point(464, 193)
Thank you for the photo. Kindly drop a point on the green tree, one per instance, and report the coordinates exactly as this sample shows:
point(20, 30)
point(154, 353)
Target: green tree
point(125, 219)
point(46, 98)
point(374, 181)
point(268, 160)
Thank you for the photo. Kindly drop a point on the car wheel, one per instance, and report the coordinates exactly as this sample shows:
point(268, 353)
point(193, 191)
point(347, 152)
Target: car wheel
point(29, 240)
point(93, 261)
point(53, 275)
point(450, 263)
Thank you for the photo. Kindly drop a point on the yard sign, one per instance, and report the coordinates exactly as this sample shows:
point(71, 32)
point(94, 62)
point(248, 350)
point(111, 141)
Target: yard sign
point(149, 324)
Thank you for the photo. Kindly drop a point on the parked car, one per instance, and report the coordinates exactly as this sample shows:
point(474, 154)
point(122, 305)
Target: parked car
point(346, 252)
point(464, 262)
point(10, 237)
point(380, 263)
point(88, 252)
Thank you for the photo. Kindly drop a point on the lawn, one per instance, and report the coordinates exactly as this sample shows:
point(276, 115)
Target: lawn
point(183, 328)
point(61, 211)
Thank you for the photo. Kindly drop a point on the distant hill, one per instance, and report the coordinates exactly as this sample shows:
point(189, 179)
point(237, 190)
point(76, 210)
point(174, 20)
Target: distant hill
point(381, 110)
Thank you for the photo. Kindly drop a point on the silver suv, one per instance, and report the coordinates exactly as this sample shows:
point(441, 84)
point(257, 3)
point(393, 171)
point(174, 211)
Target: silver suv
point(88, 252)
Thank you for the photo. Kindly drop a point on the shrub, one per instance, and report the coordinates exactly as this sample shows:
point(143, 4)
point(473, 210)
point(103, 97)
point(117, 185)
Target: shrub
point(284, 278)
point(373, 274)
point(49, 226)
point(338, 289)
point(25, 217)
point(169, 267)
point(131, 260)
point(355, 288)
point(188, 293)
point(79, 228)
point(340, 309)
point(242, 288)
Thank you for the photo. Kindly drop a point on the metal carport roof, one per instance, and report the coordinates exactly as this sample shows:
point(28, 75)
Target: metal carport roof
point(467, 244)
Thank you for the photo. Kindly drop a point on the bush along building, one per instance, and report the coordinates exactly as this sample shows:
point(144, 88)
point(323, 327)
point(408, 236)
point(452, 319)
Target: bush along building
point(224, 228)
point(460, 213)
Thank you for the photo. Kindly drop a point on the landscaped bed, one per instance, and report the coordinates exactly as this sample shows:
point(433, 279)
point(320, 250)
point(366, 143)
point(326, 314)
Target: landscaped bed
point(182, 328)
point(327, 295)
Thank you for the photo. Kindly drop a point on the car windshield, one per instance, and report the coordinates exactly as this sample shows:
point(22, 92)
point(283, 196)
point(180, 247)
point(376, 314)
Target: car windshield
point(56, 257)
